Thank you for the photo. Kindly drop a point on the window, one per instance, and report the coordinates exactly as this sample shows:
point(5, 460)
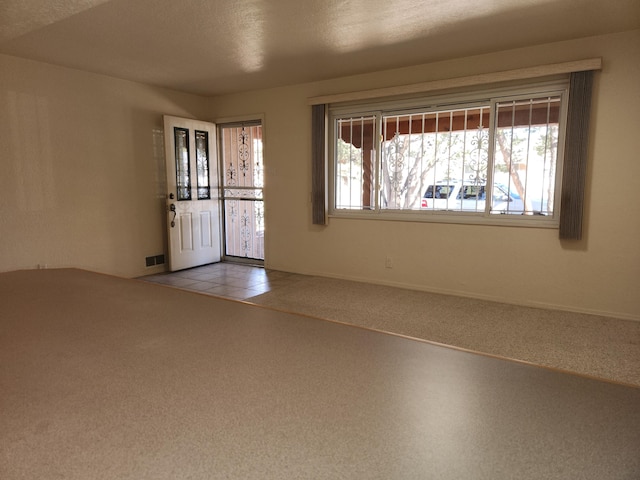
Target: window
point(486, 157)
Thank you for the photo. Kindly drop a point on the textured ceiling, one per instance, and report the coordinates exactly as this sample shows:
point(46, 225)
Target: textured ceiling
point(212, 47)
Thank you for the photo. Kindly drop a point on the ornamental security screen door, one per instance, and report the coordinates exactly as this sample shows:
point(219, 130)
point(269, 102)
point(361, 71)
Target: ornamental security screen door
point(193, 207)
point(242, 181)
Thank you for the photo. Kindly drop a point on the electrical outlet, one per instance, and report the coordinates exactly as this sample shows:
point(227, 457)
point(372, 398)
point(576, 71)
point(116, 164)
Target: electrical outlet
point(388, 263)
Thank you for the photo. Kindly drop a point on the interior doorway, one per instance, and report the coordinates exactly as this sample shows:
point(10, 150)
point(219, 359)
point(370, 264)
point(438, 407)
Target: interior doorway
point(242, 176)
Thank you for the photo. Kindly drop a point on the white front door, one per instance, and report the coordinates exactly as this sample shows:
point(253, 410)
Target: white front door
point(193, 205)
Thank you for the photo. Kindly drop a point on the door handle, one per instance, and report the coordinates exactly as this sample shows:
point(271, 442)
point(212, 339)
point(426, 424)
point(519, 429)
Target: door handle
point(172, 208)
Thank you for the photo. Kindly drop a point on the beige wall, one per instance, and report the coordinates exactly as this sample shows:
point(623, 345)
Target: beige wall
point(82, 180)
point(600, 274)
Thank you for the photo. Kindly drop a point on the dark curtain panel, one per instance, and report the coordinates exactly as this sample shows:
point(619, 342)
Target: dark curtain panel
point(575, 155)
point(318, 165)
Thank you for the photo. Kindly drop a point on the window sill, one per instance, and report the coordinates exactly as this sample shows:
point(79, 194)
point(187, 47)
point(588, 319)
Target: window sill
point(531, 221)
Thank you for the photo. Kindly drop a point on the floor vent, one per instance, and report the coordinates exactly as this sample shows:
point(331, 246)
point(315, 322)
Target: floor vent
point(154, 260)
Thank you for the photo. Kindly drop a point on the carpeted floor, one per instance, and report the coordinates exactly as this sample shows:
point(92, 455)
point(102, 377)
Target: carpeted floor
point(590, 345)
point(106, 378)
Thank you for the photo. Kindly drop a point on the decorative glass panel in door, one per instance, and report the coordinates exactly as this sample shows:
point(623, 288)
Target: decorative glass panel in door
point(183, 172)
point(202, 164)
point(242, 170)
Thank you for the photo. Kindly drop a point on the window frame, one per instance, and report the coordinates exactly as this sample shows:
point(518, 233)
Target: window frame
point(466, 98)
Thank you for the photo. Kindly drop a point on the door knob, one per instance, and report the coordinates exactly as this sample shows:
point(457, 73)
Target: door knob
point(172, 208)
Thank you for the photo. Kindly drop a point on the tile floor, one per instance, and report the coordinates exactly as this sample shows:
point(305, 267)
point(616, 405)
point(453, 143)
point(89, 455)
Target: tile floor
point(230, 280)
